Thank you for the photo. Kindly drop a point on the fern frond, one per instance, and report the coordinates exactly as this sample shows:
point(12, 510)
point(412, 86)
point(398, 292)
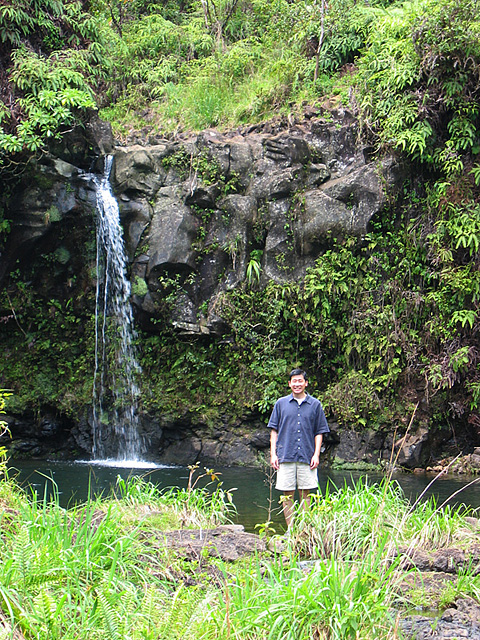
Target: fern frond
point(22, 555)
point(109, 616)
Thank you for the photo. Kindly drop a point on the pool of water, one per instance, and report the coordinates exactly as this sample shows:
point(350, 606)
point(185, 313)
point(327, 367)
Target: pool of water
point(256, 501)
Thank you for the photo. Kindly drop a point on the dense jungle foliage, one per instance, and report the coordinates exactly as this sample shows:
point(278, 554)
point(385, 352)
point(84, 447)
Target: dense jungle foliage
point(380, 324)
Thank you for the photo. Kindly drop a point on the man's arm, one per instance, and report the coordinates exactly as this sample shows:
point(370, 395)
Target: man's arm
point(273, 448)
point(314, 462)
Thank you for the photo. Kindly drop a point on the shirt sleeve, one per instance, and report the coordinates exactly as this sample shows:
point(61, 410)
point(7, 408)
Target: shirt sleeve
point(321, 425)
point(275, 417)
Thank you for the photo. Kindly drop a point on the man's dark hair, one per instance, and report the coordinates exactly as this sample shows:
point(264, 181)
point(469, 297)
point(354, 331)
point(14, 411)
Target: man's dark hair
point(298, 372)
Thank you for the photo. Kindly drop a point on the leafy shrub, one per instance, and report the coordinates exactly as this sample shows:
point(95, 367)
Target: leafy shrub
point(53, 56)
point(418, 78)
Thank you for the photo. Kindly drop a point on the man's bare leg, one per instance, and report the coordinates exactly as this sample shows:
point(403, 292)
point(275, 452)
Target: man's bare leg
point(288, 506)
point(304, 498)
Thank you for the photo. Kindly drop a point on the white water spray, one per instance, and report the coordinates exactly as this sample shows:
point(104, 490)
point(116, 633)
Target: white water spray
point(115, 390)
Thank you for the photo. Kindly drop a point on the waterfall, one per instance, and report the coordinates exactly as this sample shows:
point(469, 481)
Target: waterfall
point(115, 391)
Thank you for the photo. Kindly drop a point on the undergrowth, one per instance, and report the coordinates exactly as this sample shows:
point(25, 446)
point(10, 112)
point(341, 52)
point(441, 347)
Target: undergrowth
point(100, 570)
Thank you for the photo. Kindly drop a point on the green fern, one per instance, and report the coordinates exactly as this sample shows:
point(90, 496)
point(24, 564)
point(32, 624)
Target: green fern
point(182, 614)
point(109, 616)
point(22, 554)
point(45, 606)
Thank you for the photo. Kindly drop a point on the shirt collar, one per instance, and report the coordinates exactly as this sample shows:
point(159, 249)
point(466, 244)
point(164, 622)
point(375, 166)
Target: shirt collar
point(306, 399)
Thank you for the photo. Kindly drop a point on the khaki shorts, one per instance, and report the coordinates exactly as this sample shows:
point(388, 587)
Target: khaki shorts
point(296, 475)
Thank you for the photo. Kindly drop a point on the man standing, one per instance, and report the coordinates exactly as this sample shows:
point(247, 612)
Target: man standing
point(297, 426)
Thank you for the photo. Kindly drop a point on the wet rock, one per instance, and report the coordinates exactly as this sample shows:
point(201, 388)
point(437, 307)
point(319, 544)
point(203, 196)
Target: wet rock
point(367, 446)
point(238, 454)
point(101, 134)
point(411, 450)
point(319, 174)
point(228, 542)
point(184, 451)
point(279, 191)
point(172, 232)
point(139, 170)
point(287, 149)
point(49, 427)
point(184, 444)
point(461, 621)
point(443, 560)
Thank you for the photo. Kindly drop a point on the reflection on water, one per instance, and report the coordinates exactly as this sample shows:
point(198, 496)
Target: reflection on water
point(75, 482)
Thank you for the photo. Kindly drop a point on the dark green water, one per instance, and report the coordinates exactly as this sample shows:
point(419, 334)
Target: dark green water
point(76, 481)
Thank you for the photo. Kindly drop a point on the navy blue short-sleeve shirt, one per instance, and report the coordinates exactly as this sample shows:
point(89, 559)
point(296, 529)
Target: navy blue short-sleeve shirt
point(297, 425)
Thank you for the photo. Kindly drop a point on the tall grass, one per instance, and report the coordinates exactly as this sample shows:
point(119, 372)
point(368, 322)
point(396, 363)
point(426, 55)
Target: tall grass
point(192, 507)
point(333, 599)
point(62, 572)
point(353, 584)
point(96, 571)
point(349, 521)
point(86, 572)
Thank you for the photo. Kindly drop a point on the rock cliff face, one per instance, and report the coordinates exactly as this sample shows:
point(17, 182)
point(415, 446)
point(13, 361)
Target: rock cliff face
point(197, 214)
point(194, 210)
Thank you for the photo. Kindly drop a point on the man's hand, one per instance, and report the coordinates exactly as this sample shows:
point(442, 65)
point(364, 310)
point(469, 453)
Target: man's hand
point(315, 461)
point(273, 449)
point(274, 461)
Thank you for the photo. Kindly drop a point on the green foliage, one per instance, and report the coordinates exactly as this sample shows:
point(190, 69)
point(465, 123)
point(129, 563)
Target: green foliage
point(139, 287)
point(203, 64)
point(217, 63)
point(52, 54)
point(23, 18)
point(54, 343)
point(54, 91)
point(254, 267)
point(94, 570)
point(3, 429)
point(418, 79)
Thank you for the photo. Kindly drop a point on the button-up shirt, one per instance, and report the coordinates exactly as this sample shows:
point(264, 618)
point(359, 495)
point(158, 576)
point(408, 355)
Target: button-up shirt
point(297, 425)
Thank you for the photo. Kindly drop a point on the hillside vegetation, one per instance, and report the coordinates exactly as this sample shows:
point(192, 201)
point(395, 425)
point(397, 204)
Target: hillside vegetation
point(410, 69)
point(382, 323)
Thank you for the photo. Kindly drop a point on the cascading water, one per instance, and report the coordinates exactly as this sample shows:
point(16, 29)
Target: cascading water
point(115, 390)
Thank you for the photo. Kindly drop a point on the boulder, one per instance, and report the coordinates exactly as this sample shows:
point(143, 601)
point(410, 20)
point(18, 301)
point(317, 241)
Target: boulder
point(460, 621)
point(412, 450)
point(228, 542)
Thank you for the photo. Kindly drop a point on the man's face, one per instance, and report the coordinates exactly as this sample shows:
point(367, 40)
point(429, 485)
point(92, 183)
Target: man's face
point(297, 384)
